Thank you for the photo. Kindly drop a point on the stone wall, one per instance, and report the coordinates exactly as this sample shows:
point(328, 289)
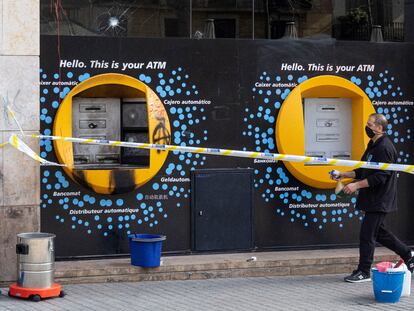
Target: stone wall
point(19, 175)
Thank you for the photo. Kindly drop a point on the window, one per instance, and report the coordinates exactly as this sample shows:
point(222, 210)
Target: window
point(126, 18)
point(354, 21)
point(225, 27)
point(240, 19)
point(231, 18)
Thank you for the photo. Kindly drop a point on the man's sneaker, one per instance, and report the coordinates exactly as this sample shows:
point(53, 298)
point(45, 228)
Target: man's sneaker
point(357, 276)
point(410, 263)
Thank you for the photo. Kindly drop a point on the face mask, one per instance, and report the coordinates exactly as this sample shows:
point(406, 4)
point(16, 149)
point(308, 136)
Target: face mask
point(370, 133)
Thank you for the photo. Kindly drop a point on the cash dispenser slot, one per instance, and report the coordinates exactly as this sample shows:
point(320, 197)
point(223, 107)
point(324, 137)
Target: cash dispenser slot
point(92, 108)
point(81, 159)
point(328, 108)
point(327, 137)
point(107, 158)
point(341, 155)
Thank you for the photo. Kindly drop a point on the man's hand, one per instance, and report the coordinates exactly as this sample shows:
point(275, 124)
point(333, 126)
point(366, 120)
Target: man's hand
point(342, 175)
point(351, 188)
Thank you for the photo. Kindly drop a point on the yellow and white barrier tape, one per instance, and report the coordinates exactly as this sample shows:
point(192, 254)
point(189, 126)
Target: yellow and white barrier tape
point(3, 144)
point(17, 143)
point(242, 154)
point(12, 115)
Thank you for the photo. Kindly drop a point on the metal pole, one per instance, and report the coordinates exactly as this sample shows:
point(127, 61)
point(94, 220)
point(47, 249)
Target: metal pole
point(253, 19)
point(191, 18)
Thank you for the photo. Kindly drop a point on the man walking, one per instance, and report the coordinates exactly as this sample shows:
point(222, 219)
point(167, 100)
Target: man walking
point(377, 197)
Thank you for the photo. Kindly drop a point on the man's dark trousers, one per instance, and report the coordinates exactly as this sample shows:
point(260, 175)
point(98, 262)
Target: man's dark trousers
point(373, 230)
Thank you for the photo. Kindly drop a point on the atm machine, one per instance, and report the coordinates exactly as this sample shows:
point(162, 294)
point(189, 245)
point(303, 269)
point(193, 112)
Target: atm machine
point(110, 119)
point(328, 127)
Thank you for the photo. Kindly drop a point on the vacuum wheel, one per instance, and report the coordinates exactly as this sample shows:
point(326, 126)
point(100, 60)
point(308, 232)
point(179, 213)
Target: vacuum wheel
point(35, 298)
point(62, 294)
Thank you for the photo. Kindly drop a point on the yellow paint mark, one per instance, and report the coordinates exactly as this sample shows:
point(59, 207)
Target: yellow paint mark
point(15, 141)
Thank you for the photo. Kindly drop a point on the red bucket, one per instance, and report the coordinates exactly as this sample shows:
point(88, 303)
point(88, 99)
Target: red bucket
point(384, 266)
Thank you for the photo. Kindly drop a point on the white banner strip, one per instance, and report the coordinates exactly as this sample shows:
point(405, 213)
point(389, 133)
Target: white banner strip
point(242, 154)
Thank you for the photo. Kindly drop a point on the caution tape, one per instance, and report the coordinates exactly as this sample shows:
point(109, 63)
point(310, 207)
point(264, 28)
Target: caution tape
point(242, 154)
point(17, 143)
point(9, 113)
point(13, 116)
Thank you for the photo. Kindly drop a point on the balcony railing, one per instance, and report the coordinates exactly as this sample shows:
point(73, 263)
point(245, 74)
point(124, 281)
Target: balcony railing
point(390, 32)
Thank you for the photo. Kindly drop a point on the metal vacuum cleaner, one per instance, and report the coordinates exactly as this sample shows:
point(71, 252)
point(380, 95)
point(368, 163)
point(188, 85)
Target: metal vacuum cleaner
point(35, 267)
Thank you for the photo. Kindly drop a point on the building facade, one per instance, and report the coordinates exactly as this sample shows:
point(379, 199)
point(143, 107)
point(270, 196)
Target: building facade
point(19, 85)
point(222, 71)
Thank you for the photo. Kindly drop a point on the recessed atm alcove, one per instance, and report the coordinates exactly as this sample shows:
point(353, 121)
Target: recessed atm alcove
point(323, 116)
point(111, 107)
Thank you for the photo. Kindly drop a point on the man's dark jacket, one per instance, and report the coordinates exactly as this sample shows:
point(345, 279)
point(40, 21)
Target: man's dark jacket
point(381, 195)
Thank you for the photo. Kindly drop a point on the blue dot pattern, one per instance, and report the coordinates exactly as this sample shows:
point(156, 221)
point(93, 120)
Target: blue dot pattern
point(148, 209)
point(175, 82)
point(383, 90)
point(258, 131)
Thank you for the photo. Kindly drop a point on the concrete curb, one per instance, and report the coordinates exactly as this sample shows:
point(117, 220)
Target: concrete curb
point(192, 267)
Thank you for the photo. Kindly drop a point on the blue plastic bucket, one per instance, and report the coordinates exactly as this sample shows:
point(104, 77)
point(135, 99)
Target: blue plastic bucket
point(145, 249)
point(387, 285)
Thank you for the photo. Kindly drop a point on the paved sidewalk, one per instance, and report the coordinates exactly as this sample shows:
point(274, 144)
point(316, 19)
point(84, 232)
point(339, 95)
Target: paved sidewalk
point(287, 293)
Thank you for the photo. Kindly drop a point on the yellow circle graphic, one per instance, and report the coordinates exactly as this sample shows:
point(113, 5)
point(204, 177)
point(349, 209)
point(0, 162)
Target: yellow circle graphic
point(122, 179)
point(290, 128)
